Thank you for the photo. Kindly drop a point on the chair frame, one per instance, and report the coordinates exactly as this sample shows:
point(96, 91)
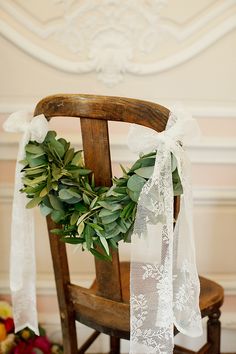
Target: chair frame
point(78, 303)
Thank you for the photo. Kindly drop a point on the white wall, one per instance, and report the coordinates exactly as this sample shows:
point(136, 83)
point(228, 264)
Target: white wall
point(183, 51)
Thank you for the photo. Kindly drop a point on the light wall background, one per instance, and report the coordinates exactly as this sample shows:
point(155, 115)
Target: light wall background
point(158, 50)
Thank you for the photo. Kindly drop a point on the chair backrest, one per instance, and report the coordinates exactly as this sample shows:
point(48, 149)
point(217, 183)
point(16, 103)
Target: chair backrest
point(94, 113)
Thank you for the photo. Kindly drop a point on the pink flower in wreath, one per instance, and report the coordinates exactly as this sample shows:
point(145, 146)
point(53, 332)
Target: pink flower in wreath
point(37, 345)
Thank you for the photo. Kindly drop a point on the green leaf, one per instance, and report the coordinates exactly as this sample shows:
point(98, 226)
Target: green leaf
point(96, 227)
point(173, 163)
point(99, 255)
point(80, 228)
point(78, 159)
point(33, 182)
point(120, 190)
point(65, 144)
point(74, 217)
point(68, 156)
point(56, 172)
point(45, 210)
point(34, 171)
point(57, 215)
point(123, 225)
point(94, 201)
point(86, 199)
point(127, 211)
point(55, 202)
point(72, 240)
point(51, 134)
point(34, 202)
point(84, 171)
point(145, 172)
point(136, 183)
point(83, 217)
point(58, 147)
point(80, 207)
point(105, 245)
point(34, 149)
point(35, 161)
point(177, 186)
point(43, 192)
point(110, 206)
point(105, 212)
point(88, 233)
point(110, 218)
point(116, 231)
point(133, 195)
point(110, 227)
point(113, 243)
point(64, 194)
point(123, 169)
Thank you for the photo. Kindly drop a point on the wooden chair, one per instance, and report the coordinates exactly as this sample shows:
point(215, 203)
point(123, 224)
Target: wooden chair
point(105, 306)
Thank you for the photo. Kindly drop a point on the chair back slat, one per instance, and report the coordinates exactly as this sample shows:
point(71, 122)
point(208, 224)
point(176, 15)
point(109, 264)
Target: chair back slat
point(97, 158)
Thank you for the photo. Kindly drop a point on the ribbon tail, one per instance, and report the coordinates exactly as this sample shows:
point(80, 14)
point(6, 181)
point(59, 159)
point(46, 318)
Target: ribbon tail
point(22, 256)
point(151, 263)
point(186, 287)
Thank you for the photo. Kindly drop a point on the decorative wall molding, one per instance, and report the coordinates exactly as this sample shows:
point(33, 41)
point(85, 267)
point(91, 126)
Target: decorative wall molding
point(46, 284)
point(223, 196)
point(207, 151)
point(228, 324)
point(126, 36)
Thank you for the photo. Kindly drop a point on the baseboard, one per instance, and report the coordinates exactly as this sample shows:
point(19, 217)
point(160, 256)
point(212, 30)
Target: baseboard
point(101, 345)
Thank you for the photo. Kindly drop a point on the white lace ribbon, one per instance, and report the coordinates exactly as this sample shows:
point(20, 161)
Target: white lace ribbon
point(164, 281)
point(22, 254)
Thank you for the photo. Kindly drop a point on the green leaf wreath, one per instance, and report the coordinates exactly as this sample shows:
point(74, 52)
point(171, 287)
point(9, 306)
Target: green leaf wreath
point(97, 217)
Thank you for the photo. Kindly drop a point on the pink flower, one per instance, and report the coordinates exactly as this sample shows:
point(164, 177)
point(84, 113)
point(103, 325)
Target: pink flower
point(9, 325)
point(43, 344)
point(33, 346)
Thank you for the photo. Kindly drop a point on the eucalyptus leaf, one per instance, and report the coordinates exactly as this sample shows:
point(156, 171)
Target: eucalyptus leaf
point(136, 183)
point(145, 172)
point(55, 202)
point(74, 217)
point(34, 149)
point(34, 202)
point(103, 257)
point(45, 210)
point(43, 192)
point(88, 232)
point(110, 206)
point(81, 228)
point(57, 215)
point(86, 199)
point(110, 218)
point(58, 147)
point(105, 245)
point(78, 159)
point(72, 240)
point(68, 156)
point(133, 195)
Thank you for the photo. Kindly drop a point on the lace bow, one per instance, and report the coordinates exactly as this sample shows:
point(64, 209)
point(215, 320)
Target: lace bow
point(164, 281)
point(22, 254)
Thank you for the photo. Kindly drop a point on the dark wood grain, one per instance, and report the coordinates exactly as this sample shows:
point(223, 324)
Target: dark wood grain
point(105, 306)
point(105, 108)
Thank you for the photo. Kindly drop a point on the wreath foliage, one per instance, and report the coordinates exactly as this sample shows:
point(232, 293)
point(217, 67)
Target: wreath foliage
point(97, 217)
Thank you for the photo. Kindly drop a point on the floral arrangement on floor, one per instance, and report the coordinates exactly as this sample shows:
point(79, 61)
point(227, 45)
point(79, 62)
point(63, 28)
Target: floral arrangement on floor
point(97, 217)
point(25, 341)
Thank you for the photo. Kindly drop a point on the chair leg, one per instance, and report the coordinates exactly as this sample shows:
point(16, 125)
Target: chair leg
point(214, 332)
point(114, 345)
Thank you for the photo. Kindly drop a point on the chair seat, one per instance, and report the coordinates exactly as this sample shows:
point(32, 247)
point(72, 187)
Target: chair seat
point(115, 315)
